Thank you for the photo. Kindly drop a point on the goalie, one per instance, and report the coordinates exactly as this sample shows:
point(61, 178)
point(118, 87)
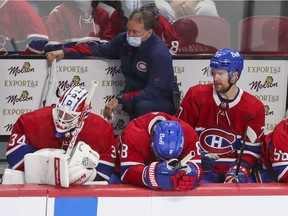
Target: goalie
point(36, 151)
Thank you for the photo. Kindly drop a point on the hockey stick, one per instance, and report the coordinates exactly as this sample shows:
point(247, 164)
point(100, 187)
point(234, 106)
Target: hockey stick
point(71, 145)
point(183, 162)
point(252, 137)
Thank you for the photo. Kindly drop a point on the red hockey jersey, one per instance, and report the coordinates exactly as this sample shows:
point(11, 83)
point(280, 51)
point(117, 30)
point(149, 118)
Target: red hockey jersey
point(275, 152)
point(67, 22)
point(221, 126)
point(21, 28)
point(36, 130)
point(135, 146)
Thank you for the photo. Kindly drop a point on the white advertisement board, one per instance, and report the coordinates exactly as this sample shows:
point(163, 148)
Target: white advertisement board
point(26, 83)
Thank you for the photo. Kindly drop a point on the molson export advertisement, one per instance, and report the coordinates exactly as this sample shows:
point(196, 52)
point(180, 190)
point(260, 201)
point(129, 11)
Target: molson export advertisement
point(27, 85)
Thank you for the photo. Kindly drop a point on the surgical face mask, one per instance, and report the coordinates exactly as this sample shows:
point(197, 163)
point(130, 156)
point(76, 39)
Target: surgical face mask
point(134, 41)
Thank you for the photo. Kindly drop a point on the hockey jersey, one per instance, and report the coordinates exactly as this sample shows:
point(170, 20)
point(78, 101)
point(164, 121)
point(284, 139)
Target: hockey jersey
point(36, 130)
point(21, 29)
point(135, 146)
point(274, 155)
point(222, 126)
point(67, 22)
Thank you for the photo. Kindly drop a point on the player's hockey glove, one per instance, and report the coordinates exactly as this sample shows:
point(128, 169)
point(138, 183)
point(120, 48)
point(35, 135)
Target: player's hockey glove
point(242, 174)
point(163, 176)
point(208, 161)
point(159, 176)
point(190, 177)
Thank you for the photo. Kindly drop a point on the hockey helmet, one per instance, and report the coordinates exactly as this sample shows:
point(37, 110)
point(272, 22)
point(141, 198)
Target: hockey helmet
point(168, 139)
point(68, 109)
point(227, 59)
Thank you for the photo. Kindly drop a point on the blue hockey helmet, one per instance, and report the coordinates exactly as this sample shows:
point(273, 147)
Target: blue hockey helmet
point(168, 139)
point(227, 59)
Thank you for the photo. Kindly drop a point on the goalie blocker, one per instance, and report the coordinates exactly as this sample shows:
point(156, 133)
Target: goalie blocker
point(54, 167)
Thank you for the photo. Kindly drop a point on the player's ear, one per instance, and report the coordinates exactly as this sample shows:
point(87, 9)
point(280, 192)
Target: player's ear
point(235, 77)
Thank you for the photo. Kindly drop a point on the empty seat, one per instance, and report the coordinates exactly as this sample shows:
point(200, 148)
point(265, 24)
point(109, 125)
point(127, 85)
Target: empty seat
point(263, 34)
point(212, 31)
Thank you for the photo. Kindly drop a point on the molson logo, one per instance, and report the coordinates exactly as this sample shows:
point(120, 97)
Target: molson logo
point(113, 70)
point(26, 68)
point(8, 127)
point(268, 83)
point(206, 71)
point(120, 125)
point(22, 98)
point(64, 85)
point(268, 111)
point(108, 98)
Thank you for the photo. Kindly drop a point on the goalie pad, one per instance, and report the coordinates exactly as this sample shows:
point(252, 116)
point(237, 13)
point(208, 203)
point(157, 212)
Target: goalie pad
point(11, 176)
point(47, 166)
point(82, 164)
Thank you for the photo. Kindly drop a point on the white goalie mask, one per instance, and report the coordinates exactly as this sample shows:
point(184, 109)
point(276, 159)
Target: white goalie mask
point(68, 109)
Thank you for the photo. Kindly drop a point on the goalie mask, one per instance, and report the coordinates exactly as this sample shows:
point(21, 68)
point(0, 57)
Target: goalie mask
point(227, 59)
point(68, 109)
point(168, 140)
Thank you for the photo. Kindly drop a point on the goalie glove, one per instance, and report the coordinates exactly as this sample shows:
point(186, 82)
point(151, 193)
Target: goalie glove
point(242, 176)
point(161, 175)
point(82, 164)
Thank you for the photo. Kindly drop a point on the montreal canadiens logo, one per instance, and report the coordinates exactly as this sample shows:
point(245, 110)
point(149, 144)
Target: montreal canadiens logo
point(141, 66)
point(217, 141)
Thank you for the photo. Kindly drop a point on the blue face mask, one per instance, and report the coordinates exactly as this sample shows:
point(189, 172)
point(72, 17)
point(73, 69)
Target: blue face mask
point(134, 41)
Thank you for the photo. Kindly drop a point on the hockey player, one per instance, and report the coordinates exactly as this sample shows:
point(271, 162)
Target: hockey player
point(273, 167)
point(22, 31)
point(116, 15)
point(226, 119)
point(145, 63)
point(44, 134)
point(72, 21)
point(150, 148)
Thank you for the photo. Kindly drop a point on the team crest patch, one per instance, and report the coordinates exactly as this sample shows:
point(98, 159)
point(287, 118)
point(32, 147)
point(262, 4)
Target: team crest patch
point(141, 66)
point(218, 141)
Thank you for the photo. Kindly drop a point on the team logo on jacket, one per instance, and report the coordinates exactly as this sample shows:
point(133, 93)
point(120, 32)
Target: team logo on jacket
point(217, 141)
point(141, 66)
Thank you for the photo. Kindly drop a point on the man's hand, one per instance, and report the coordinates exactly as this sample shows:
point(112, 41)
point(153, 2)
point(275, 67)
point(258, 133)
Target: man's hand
point(242, 176)
point(208, 161)
point(183, 8)
point(51, 56)
point(109, 108)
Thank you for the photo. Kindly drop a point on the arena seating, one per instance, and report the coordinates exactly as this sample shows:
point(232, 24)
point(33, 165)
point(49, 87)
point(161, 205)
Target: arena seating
point(212, 31)
point(263, 35)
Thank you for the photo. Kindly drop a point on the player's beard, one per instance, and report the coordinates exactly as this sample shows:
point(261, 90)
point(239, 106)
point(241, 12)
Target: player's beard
point(221, 89)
